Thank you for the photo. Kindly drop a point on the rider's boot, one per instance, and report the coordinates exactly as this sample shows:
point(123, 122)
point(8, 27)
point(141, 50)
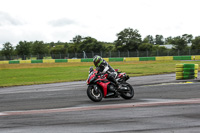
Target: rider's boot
point(115, 81)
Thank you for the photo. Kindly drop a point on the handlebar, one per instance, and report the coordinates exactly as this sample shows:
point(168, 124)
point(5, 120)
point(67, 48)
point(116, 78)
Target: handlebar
point(99, 74)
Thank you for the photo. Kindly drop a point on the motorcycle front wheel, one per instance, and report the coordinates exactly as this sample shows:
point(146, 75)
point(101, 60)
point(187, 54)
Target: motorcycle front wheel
point(129, 94)
point(95, 94)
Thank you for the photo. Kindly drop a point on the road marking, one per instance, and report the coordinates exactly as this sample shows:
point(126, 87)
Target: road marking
point(189, 82)
point(170, 83)
point(1, 114)
point(103, 107)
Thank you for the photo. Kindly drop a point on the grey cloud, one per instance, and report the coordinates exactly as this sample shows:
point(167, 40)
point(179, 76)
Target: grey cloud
point(7, 19)
point(61, 22)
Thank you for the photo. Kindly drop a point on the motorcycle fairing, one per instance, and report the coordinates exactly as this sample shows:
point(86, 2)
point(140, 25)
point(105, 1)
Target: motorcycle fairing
point(104, 86)
point(120, 75)
point(103, 82)
point(91, 76)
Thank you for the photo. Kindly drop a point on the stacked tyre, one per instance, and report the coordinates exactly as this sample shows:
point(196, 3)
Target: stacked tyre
point(186, 71)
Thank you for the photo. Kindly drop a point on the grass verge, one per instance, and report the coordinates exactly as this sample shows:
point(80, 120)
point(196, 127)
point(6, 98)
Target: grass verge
point(28, 74)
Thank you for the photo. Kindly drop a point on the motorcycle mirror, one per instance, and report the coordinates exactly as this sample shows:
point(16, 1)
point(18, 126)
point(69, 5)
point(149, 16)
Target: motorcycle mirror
point(91, 69)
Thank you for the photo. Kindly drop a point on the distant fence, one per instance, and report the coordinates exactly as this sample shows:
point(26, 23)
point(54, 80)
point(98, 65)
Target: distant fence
point(119, 59)
point(110, 54)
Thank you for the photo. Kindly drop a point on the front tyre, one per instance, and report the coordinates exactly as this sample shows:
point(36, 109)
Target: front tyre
point(129, 94)
point(95, 94)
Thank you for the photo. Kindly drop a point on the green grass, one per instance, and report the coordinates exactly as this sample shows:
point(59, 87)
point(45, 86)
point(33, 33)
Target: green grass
point(149, 68)
point(28, 74)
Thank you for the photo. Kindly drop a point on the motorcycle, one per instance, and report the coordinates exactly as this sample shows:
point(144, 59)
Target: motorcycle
point(100, 87)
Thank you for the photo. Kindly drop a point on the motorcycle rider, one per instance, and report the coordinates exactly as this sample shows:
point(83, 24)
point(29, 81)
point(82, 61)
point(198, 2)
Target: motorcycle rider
point(103, 67)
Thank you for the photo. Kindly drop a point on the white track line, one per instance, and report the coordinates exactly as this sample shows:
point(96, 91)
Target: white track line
point(103, 107)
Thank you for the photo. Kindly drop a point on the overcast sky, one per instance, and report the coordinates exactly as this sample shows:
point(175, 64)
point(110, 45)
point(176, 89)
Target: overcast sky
point(61, 20)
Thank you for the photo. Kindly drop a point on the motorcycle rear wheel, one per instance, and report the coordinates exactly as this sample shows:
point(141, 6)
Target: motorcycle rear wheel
point(129, 94)
point(94, 95)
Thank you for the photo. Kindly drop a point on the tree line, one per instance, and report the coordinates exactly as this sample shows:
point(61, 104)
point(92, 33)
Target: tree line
point(127, 40)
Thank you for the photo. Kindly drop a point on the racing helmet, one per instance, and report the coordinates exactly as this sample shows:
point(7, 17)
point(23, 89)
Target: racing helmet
point(97, 60)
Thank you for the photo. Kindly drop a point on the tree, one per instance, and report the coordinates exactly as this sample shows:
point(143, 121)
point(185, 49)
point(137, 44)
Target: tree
point(59, 51)
point(148, 39)
point(145, 46)
point(168, 40)
point(188, 38)
point(109, 47)
point(90, 44)
point(39, 49)
point(51, 44)
point(196, 43)
point(159, 40)
point(160, 50)
point(128, 39)
point(23, 49)
point(7, 50)
point(77, 39)
point(181, 42)
point(76, 42)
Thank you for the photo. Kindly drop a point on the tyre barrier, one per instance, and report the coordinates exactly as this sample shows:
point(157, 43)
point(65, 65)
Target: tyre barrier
point(182, 57)
point(186, 71)
point(119, 59)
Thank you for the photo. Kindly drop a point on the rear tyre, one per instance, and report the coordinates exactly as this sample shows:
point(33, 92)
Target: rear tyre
point(95, 95)
point(129, 94)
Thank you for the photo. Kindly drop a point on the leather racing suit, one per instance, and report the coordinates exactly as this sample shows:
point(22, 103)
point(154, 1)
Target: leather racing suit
point(106, 68)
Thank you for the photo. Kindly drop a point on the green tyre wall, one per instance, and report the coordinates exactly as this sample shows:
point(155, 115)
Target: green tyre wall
point(188, 73)
point(36, 61)
point(188, 77)
point(147, 58)
point(14, 62)
point(188, 69)
point(189, 66)
point(87, 60)
point(181, 57)
point(60, 60)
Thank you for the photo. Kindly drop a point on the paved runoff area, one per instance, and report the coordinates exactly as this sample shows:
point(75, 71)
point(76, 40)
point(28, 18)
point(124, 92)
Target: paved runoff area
point(161, 104)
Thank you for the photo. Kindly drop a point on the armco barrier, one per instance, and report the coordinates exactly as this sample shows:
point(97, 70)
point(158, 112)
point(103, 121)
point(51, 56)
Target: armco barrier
point(36, 61)
point(164, 58)
point(131, 59)
point(61, 60)
point(186, 71)
point(147, 58)
point(74, 60)
point(87, 60)
point(4, 62)
point(49, 61)
point(182, 58)
point(14, 62)
point(196, 57)
point(159, 58)
point(106, 59)
point(25, 61)
point(115, 59)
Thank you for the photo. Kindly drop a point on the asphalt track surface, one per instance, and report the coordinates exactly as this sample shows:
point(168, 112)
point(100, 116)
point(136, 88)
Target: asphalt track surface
point(161, 105)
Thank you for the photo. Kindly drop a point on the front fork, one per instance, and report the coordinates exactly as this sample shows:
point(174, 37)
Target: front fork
point(95, 88)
